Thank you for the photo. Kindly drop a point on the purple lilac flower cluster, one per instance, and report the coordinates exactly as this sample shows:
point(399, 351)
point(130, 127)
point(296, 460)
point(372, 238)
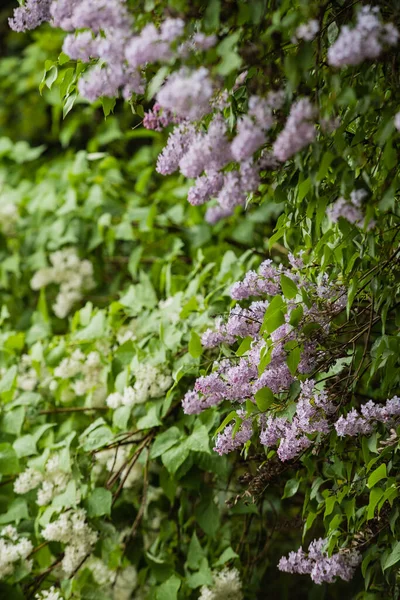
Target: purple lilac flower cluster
point(109, 40)
point(310, 417)
point(365, 41)
point(202, 155)
point(355, 423)
point(350, 209)
point(158, 118)
point(31, 15)
point(321, 567)
point(299, 130)
point(239, 379)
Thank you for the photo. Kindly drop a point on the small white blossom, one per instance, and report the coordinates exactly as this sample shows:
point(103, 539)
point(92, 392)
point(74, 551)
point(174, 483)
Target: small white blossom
point(226, 585)
point(13, 549)
point(75, 277)
point(72, 530)
point(50, 594)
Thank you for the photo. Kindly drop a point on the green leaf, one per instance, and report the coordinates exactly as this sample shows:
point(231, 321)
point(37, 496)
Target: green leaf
point(98, 438)
point(173, 458)
point(25, 445)
point(195, 347)
point(99, 502)
point(9, 464)
point(7, 383)
point(289, 288)
point(244, 346)
point(393, 557)
point(377, 475)
point(18, 511)
point(291, 487)
point(293, 359)
point(164, 441)
point(274, 315)
point(264, 398)
point(169, 589)
point(195, 553)
point(374, 497)
point(208, 516)
point(296, 315)
point(227, 555)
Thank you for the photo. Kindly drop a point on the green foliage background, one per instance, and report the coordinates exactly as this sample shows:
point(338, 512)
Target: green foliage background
point(78, 179)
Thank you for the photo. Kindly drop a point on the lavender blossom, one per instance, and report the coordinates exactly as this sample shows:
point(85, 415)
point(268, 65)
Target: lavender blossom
point(350, 210)
point(321, 567)
point(31, 15)
point(248, 139)
point(227, 441)
point(187, 93)
point(299, 130)
point(354, 424)
point(365, 41)
point(177, 145)
point(205, 187)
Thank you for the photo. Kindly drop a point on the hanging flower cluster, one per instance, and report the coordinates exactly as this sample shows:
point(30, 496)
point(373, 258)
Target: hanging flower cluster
point(277, 336)
point(72, 530)
point(365, 41)
point(321, 567)
point(14, 551)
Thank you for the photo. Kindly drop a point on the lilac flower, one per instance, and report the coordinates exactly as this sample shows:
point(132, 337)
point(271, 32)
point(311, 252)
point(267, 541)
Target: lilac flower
point(147, 48)
point(231, 194)
point(31, 15)
point(81, 46)
point(307, 31)
point(178, 143)
point(171, 29)
point(98, 15)
point(261, 109)
point(205, 187)
point(355, 424)
point(321, 567)
point(216, 213)
point(187, 93)
point(299, 130)
point(193, 162)
point(248, 140)
point(365, 41)
point(227, 442)
point(350, 210)
point(62, 13)
point(158, 118)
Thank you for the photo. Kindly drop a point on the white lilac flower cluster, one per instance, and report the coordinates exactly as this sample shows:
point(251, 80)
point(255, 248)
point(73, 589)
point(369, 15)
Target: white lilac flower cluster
point(52, 481)
point(321, 567)
point(116, 460)
point(87, 372)
point(74, 276)
point(351, 210)
point(150, 382)
point(365, 41)
point(8, 217)
point(27, 378)
point(79, 538)
point(14, 550)
point(226, 584)
point(238, 380)
point(50, 594)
